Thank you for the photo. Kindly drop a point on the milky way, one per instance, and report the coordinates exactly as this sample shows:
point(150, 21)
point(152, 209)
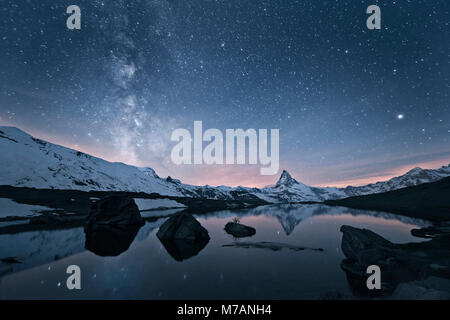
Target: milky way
point(351, 104)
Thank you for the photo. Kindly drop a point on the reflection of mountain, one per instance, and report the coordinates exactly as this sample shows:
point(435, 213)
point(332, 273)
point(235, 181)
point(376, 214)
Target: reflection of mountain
point(30, 162)
point(41, 247)
point(291, 215)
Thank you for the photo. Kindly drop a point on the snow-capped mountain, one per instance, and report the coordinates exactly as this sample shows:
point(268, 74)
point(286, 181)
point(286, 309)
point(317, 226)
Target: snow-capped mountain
point(30, 162)
point(287, 189)
point(413, 177)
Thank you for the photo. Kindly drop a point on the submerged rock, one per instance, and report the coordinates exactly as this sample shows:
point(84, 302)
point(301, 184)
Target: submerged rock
point(438, 230)
point(238, 230)
point(274, 246)
point(115, 210)
point(182, 226)
point(399, 263)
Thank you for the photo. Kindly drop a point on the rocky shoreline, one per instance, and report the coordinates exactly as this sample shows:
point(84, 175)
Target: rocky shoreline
point(399, 263)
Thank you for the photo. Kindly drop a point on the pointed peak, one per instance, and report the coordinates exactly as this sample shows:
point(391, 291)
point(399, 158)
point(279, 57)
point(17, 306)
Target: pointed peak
point(285, 179)
point(285, 174)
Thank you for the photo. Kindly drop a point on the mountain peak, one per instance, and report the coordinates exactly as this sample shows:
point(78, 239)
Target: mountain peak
point(285, 179)
point(415, 170)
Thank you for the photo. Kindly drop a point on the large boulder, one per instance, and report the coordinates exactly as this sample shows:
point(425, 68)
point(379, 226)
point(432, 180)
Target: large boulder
point(182, 226)
point(238, 230)
point(399, 263)
point(115, 210)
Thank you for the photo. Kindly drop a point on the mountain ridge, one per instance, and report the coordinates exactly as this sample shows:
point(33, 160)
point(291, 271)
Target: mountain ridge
point(32, 162)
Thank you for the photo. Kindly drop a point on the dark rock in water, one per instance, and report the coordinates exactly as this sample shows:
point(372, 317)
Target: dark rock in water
point(10, 260)
point(273, 246)
point(115, 210)
point(182, 226)
point(183, 236)
point(110, 240)
point(438, 230)
point(399, 262)
point(238, 230)
point(184, 249)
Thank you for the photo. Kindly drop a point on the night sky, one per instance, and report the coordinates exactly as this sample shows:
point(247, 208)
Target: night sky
point(353, 105)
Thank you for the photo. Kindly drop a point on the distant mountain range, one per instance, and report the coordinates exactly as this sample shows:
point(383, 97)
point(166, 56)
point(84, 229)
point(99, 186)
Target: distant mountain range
point(428, 200)
point(30, 162)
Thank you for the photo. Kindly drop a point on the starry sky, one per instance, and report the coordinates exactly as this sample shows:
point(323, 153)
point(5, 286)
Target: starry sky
point(353, 105)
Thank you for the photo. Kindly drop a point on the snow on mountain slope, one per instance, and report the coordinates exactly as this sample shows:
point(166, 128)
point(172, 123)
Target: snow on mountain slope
point(30, 162)
point(413, 177)
point(288, 189)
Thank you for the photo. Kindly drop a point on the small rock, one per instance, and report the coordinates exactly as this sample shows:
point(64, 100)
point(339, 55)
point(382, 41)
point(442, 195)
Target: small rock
point(238, 230)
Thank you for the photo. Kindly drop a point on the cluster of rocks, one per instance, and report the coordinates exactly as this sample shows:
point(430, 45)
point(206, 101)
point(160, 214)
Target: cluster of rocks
point(400, 263)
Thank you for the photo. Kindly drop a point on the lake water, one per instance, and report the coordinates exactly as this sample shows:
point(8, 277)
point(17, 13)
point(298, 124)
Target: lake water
point(147, 271)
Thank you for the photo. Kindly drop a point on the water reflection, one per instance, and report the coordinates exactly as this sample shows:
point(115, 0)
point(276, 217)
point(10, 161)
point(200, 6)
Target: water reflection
point(291, 215)
point(207, 270)
point(184, 249)
point(107, 241)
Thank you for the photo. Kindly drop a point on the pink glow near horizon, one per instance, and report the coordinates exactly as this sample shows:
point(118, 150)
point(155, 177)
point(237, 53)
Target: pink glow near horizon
point(387, 174)
point(234, 175)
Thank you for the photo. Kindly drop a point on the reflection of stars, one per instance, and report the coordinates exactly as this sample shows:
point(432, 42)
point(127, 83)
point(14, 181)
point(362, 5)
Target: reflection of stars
point(400, 116)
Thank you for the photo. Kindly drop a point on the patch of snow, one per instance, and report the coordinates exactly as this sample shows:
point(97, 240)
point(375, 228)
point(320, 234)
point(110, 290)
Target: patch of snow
point(153, 204)
point(10, 208)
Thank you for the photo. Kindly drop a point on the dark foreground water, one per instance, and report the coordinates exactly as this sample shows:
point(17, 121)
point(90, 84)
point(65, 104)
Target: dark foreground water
point(147, 271)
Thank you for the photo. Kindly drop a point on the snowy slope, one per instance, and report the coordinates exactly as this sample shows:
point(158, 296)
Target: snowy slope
point(288, 189)
point(413, 177)
point(30, 162)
